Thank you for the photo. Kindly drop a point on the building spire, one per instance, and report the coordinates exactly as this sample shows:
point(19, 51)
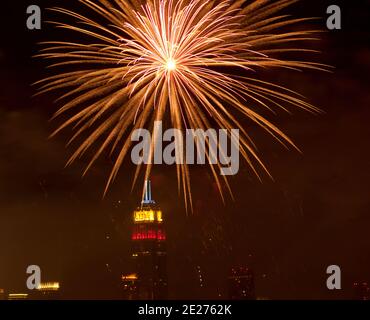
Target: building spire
point(147, 194)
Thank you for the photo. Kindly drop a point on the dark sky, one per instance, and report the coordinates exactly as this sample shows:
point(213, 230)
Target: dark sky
point(315, 213)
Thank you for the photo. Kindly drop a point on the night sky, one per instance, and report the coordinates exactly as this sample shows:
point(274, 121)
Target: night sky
point(315, 213)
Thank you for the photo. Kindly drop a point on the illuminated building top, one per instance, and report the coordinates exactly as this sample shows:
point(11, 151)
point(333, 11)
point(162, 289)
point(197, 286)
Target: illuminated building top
point(147, 200)
point(147, 215)
point(148, 212)
point(148, 219)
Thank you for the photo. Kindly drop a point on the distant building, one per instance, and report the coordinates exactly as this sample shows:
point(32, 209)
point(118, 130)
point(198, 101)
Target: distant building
point(2, 294)
point(18, 296)
point(241, 284)
point(148, 252)
point(46, 291)
point(129, 286)
point(202, 283)
point(361, 291)
point(200, 278)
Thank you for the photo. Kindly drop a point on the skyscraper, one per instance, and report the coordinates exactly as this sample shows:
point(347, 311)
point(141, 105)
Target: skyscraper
point(241, 284)
point(149, 249)
point(361, 291)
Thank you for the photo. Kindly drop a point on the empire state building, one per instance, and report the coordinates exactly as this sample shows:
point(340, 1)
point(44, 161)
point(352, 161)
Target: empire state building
point(149, 280)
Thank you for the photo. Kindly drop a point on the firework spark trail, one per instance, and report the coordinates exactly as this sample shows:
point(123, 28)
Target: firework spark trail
point(172, 55)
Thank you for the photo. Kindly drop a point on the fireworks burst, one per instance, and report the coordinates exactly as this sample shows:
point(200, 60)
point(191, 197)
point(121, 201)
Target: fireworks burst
point(192, 59)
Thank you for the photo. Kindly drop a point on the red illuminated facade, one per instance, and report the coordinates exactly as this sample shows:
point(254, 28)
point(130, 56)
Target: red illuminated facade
point(143, 231)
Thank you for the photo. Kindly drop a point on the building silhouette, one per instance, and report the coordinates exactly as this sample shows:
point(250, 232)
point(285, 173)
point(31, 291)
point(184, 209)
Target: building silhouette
point(18, 296)
point(361, 291)
point(129, 285)
point(241, 284)
point(149, 280)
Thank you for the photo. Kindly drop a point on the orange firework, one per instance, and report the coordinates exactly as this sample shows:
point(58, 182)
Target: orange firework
point(192, 59)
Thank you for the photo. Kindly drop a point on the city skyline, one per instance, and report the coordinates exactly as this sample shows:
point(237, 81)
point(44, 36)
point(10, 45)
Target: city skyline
point(288, 231)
